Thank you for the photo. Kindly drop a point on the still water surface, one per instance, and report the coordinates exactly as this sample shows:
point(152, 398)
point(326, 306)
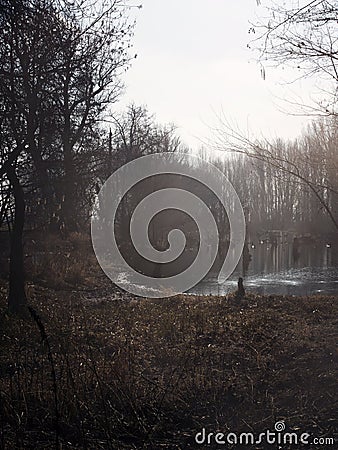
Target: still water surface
point(278, 270)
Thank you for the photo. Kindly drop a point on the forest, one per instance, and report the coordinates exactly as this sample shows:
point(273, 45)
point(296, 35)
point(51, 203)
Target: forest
point(85, 364)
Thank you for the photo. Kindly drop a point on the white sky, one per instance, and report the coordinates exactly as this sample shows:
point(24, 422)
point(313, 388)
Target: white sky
point(193, 62)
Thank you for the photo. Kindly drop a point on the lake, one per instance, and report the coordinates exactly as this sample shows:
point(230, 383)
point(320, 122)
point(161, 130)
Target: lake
point(279, 269)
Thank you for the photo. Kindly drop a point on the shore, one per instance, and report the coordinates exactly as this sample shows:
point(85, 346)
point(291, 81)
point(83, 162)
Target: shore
point(98, 369)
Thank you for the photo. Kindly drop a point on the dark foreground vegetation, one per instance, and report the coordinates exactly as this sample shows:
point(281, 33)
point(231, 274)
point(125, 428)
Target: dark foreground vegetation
point(94, 368)
point(83, 365)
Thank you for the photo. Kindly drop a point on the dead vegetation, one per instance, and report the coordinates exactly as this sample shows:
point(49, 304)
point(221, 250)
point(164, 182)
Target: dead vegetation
point(103, 370)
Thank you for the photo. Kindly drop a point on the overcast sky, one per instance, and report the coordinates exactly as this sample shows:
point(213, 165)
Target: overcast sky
point(193, 62)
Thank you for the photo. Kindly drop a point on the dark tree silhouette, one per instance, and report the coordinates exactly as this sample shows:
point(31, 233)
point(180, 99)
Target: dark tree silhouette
point(60, 68)
point(302, 35)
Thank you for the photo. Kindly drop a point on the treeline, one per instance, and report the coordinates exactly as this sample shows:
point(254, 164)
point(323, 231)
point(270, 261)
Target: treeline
point(288, 185)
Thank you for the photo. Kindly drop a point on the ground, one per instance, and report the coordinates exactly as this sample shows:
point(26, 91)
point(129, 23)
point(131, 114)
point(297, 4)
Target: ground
point(104, 370)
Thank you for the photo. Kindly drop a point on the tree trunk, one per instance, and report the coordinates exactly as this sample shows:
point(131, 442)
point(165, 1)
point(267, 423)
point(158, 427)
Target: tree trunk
point(69, 187)
point(17, 300)
point(69, 209)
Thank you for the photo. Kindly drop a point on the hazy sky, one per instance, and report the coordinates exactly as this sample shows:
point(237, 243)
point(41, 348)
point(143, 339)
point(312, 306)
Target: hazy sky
point(193, 62)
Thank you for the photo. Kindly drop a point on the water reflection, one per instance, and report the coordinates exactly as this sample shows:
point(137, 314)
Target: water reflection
point(289, 268)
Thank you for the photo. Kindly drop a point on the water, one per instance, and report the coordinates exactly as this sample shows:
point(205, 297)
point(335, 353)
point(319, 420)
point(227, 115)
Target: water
point(305, 281)
point(279, 269)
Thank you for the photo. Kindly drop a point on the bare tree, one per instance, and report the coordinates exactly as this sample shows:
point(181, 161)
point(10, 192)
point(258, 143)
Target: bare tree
point(60, 68)
point(93, 55)
point(137, 134)
point(302, 35)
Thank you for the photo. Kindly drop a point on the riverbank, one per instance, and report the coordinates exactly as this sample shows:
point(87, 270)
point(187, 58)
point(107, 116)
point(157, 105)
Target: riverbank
point(106, 370)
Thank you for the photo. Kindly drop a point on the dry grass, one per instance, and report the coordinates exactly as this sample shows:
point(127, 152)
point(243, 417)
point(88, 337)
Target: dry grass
point(133, 374)
point(61, 264)
point(97, 369)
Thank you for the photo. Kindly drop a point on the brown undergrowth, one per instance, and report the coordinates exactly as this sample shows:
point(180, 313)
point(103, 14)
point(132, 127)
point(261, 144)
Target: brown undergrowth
point(114, 372)
point(92, 368)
